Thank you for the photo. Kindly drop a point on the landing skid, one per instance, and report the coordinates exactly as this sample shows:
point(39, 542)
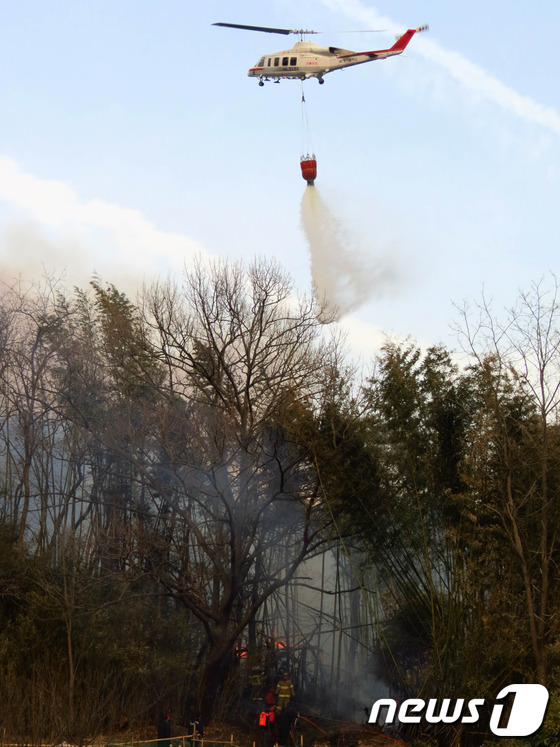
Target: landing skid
point(300, 77)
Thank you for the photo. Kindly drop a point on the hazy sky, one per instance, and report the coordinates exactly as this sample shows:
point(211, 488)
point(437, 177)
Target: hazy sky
point(132, 139)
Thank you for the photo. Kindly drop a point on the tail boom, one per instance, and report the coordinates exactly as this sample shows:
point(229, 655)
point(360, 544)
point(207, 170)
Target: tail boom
point(398, 47)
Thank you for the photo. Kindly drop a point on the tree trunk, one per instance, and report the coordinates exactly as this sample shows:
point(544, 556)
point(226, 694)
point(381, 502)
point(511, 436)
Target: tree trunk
point(214, 671)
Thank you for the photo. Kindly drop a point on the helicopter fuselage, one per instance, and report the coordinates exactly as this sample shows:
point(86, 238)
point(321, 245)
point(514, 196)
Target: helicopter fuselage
point(309, 60)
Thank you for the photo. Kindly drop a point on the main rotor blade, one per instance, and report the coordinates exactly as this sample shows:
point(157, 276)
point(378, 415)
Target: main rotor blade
point(266, 29)
point(270, 30)
point(351, 31)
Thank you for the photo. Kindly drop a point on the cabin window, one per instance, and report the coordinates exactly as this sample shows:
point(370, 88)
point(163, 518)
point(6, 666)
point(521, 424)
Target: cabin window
point(293, 61)
point(284, 62)
point(269, 61)
point(276, 61)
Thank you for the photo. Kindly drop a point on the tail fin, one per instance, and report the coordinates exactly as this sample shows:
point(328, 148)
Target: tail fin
point(397, 48)
point(403, 40)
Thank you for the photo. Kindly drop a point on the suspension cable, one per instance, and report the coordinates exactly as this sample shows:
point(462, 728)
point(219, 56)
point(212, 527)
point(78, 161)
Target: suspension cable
point(306, 142)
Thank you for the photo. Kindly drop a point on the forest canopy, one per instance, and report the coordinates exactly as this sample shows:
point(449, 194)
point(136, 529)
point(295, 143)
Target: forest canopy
point(171, 464)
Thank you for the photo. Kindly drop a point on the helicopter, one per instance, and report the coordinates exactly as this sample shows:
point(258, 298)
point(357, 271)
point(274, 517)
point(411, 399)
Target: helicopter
point(309, 60)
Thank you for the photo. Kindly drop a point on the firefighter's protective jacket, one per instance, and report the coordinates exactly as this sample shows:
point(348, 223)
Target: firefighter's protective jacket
point(285, 692)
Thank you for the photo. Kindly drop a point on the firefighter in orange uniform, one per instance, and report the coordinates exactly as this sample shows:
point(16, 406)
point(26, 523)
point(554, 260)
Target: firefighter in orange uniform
point(267, 726)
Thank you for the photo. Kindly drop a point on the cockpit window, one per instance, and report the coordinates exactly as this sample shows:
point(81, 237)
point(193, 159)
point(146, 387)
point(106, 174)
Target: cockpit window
point(260, 63)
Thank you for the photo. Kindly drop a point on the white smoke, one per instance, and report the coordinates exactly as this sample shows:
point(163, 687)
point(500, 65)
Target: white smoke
point(344, 276)
point(51, 229)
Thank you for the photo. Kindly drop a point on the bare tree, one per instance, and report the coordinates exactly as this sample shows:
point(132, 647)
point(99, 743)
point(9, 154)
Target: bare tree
point(238, 496)
point(36, 442)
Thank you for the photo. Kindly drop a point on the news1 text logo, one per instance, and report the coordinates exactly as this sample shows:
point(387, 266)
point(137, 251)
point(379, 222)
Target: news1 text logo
point(525, 718)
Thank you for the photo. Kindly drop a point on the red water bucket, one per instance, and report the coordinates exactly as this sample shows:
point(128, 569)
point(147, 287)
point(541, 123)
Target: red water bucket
point(309, 169)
